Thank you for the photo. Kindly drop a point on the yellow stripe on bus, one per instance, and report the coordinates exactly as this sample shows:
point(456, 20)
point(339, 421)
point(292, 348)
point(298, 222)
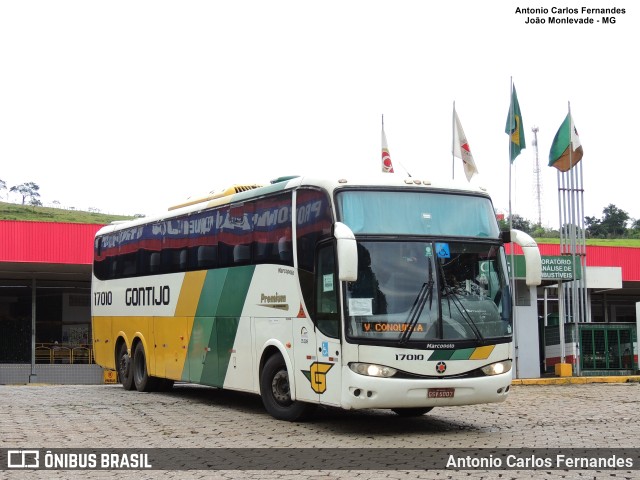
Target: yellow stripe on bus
point(190, 294)
point(482, 353)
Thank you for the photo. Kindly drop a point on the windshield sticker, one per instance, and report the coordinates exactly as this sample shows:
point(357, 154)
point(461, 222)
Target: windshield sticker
point(327, 283)
point(428, 252)
point(442, 250)
point(360, 306)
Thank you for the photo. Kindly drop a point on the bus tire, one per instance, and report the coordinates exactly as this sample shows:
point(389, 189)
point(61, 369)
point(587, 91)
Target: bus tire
point(276, 394)
point(141, 378)
point(411, 412)
point(123, 363)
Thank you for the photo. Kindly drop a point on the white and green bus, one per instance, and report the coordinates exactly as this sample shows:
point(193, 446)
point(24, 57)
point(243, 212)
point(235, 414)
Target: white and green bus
point(388, 292)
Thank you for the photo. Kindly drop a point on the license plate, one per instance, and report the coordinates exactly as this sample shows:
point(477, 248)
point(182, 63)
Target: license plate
point(440, 392)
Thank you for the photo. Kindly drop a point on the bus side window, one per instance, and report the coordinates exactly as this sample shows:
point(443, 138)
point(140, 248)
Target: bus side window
point(182, 260)
point(284, 250)
point(241, 254)
point(207, 256)
point(327, 315)
point(154, 263)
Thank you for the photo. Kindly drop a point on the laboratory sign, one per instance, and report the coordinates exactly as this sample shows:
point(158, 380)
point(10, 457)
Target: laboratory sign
point(553, 267)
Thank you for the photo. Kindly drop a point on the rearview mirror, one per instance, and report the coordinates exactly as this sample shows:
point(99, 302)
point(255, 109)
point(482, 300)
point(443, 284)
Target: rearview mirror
point(347, 253)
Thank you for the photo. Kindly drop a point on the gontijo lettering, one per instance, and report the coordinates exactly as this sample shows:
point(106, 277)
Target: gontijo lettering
point(146, 296)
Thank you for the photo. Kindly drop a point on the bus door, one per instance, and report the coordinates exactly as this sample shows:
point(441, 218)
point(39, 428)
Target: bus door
point(316, 363)
point(317, 339)
point(327, 375)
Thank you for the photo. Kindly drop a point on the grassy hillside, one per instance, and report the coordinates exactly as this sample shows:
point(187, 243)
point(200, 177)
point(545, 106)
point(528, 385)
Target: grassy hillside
point(12, 211)
point(602, 242)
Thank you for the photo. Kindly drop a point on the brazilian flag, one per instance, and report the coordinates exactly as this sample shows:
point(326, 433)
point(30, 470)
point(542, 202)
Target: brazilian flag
point(514, 127)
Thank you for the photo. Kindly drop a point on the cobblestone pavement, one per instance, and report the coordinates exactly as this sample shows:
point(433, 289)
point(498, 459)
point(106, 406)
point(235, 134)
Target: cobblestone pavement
point(552, 416)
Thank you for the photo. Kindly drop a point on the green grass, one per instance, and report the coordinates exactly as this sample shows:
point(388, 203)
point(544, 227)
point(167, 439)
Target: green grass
point(12, 211)
point(600, 242)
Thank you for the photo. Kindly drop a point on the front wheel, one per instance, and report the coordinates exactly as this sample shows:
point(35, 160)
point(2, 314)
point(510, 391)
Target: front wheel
point(123, 363)
point(276, 394)
point(411, 412)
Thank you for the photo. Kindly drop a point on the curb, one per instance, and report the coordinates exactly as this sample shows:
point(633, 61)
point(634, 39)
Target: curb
point(575, 380)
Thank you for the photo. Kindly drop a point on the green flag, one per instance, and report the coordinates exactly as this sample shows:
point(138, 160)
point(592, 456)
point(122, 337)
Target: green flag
point(514, 127)
point(566, 149)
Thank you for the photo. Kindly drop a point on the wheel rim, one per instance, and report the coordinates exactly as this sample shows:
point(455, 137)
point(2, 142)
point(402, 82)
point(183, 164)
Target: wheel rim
point(124, 364)
point(280, 387)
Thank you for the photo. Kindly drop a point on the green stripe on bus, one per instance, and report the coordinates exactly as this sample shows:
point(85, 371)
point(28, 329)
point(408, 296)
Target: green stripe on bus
point(216, 323)
point(463, 354)
point(441, 355)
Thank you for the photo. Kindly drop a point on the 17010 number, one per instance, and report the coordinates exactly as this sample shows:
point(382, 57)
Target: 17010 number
point(409, 356)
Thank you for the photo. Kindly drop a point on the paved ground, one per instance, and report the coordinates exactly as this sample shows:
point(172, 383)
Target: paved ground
point(551, 416)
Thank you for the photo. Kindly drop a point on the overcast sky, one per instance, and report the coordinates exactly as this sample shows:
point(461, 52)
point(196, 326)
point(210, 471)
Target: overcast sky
point(131, 106)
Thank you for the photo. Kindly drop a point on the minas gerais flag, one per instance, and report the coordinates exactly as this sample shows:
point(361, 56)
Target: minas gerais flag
point(514, 127)
point(461, 148)
point(566, 150)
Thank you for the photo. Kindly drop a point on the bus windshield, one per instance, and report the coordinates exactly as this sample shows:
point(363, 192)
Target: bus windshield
point(426, 291)
point(417, 213)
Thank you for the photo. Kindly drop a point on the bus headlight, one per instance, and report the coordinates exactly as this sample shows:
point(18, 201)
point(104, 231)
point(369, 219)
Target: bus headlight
point(372, 370)
point(497, 368)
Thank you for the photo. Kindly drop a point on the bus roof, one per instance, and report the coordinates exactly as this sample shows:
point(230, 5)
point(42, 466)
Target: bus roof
point(242, 192)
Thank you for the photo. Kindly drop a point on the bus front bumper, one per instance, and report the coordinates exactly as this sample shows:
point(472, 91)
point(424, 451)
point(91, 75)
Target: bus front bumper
point(360, 391)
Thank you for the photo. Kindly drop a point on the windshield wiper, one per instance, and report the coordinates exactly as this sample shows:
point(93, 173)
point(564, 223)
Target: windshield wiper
point(452, 294)
point(425, 294)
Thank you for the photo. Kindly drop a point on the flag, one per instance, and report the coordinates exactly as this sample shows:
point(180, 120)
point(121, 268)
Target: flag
point(566, 149)
point(514, 127)
point(387, 166)
point(461, 148)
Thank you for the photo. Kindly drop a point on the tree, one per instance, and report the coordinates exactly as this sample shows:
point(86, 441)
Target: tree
point(520, 223)
point(614, 221)
point(594, 227)
point(3, 185)
point(29, 191)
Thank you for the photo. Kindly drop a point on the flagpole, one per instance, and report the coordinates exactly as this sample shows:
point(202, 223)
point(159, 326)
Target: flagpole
point(579, 286)
point(575, 290)
point(510, 146)
point(453, 134)
point(513, 265)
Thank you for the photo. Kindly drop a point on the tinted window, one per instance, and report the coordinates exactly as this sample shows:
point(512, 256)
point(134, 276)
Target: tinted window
point(252, 232)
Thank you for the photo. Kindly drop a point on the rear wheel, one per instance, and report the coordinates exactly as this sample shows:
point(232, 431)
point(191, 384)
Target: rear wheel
point(411, 412)
point(276, 393)
point(141, 378)
point(123, 363)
